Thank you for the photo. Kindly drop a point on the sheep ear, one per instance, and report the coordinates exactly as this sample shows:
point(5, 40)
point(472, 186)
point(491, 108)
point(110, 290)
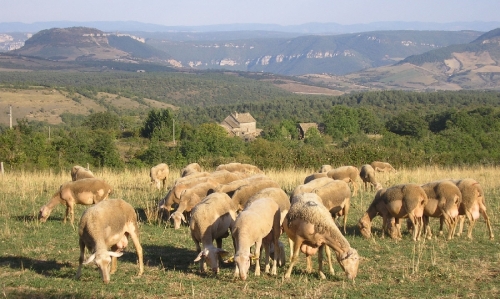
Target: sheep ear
point(229, 259)
point(90, 259)
point(200, 255)
point(115, 254)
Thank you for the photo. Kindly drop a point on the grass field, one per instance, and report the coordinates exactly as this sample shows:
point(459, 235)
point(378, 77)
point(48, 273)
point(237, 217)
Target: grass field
point(39, 260)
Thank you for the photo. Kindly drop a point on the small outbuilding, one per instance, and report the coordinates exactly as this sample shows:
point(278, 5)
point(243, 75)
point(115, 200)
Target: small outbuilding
point(303, 127)
point(242, 125)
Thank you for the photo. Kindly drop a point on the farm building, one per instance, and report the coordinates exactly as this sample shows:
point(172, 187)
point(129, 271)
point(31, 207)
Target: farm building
point(242, 125)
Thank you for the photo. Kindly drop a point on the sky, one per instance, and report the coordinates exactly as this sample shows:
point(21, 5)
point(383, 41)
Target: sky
point(281, 12)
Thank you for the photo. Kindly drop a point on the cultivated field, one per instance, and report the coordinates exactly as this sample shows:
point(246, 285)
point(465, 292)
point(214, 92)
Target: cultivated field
point(39, 260)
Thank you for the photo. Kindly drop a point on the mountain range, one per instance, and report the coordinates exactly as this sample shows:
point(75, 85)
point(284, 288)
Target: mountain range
point(396, 59)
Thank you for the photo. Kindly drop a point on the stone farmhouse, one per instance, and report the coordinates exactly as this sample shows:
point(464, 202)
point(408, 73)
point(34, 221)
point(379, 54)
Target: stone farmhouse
point(242, 125)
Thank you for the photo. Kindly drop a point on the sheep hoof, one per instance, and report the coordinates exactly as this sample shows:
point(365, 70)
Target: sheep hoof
point(322, 275)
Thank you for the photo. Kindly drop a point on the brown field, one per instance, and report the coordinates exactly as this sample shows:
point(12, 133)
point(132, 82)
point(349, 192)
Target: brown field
point(39, 260)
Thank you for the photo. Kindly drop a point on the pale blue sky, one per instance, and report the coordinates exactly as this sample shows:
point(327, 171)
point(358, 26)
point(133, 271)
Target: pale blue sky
point(282, 12)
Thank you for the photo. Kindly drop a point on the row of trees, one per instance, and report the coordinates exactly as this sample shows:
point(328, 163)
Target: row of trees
point(351, 136)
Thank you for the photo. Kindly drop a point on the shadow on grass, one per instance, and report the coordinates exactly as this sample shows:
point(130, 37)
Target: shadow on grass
point(41, 267)
point(25, 218)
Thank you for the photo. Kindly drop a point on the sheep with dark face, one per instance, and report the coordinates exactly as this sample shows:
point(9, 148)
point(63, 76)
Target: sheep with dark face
point(108, 225)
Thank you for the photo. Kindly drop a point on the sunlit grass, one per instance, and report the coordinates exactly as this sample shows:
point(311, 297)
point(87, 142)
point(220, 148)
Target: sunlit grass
point(39, 260)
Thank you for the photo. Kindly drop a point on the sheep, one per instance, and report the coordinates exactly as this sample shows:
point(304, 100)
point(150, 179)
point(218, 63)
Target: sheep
point(83, 192)
point(444, 199)
point(309, 223)
point(405, 200)
point(239, 167)
point(473, 204)
point(243, 193)
point(325, 168)
point(211, 219)
point(308, 187)
point(158, 175)
point(336, 197)
point(108, 225)
point(367, 174)
point(382, 166)
point(278, 195)
point(190, 198)
point(190, 169)
point(78, 172)
point(314, 176)
point(257, 224)
point(349, 174)
point(232, 186)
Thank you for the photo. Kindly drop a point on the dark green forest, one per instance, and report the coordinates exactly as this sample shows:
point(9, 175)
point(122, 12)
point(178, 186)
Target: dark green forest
point(408, 129)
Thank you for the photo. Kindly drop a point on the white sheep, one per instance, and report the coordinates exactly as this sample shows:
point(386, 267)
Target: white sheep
point(232, 186)
point(382, 166)
point(336, 197)
point(211, 220)
point(444, 199)
point(158, 175)
point(258, 223)
point(309, 186)
point(367, 175)
point(309, 223)
point(325, 168)
point(278, 195)
point(239, 167)
point(243, 193)
point(400, 201)
point(83, 192)
point(108, 225)
point(79, 172)
point(349, 174)
point(189, 198)
point(473, 204)
point(190, 169)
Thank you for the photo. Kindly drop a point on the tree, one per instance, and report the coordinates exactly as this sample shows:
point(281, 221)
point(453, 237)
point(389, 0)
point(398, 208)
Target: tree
point(102, 120)
point(341, 121)
point(159, 123)
point(408, 124)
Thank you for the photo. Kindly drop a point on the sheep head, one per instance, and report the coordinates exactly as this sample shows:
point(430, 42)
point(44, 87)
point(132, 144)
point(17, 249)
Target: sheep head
point(178, 218)
point(365, 226)
point(349, 261)
point(242, 263)
point(103, 261)
point(44, 213)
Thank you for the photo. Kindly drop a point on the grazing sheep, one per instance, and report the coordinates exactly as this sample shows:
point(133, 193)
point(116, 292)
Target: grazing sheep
point(405, 200)
point(243, 193)
point(309, 223)
point(473, 204)
point(210, 220)
point(232, 186)
point(159, 175)
point(308, 187)
point(349, 174)
point(314, 176)
point(257, 224)
point(444, 199)
point(239, 167)
point(325, 168)
point(108, 225)
point(336, 197)
point(190, 169)
point(78, 172)
point(367, 174)
point(382, 166)
point(278, 195)
point(189, 198)
point(83, 192)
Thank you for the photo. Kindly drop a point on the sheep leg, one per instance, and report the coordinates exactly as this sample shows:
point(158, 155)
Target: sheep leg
point(329, 257)
point(320, 262)
point(295, 257)
point(80, 260)
point(346, 211)
point(472, 222)
point(482, 210)
point(138, 249)
point(427, 228)
point(461, 226)
point(258, 245)
point(267, 257)
point(114, 262)
point(308, 263)
point(290, 242)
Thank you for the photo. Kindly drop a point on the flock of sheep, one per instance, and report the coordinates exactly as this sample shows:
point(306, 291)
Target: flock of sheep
point(240, 200)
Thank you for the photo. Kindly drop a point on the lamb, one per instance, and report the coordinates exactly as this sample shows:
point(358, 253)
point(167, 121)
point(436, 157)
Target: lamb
point(190, 169)
point(78, 172)
point(83, 192)
point(444, 199)
point(108, 225)
point(349, 174)
point(189, 198)
point(210, 220)
point(367, 174)
point(239, 167)
point(405, 200)
point(258, 223)
point(159, 174)
point(309, 223)
point(473, 204)
point(382, 166)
